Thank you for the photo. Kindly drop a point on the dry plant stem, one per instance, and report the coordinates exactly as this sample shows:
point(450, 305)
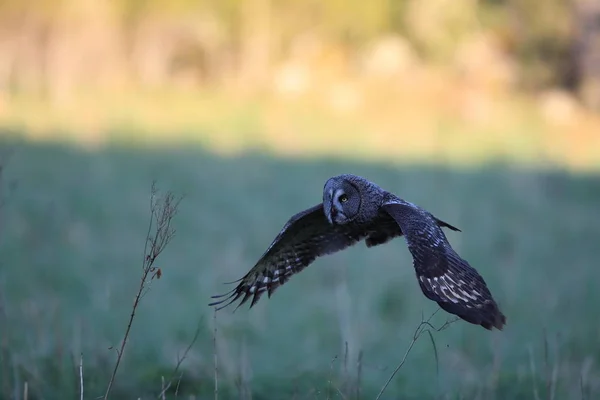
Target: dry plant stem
point(329, 383)
point(179, 362)
point(81, 376)
point(215, 355)
point(341, 393)
point(177, 387)
point(160, 233)
point(345, 359)
point(424, 326)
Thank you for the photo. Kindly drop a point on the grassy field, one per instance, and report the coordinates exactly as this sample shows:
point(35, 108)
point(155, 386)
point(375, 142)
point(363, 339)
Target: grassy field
point(72, 235)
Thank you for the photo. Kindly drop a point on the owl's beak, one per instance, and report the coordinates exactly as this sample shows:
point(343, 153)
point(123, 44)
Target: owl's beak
point(333, 215)
point(333, 212)
point(328, 210)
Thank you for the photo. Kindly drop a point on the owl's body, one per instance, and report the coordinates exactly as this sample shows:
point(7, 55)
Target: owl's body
point(355, 209)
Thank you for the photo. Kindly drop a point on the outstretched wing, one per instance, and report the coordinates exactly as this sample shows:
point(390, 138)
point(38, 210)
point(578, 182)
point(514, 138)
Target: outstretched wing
point(385, 228)
point(443, 275)
point(306, 236)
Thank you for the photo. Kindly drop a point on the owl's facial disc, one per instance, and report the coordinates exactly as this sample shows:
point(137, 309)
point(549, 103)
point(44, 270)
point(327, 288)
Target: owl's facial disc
point(341, 201)
point(338, 201)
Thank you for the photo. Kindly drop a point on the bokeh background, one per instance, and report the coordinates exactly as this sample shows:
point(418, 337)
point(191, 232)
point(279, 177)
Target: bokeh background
point(484, 112)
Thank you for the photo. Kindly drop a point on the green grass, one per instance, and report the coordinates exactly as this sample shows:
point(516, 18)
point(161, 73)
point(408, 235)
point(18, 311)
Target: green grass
point(72, 235)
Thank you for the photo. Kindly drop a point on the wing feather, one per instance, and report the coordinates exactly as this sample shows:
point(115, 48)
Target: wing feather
point(443, 275)
point(306, 236)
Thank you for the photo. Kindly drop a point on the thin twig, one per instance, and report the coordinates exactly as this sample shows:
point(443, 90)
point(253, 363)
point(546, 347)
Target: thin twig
point(424, 326)
point(162, 211)
point(162, 382)
point(346, 358)
point(340, 393)
point(180, 361)
point(81, 376)
point(215, 355)
point(358, 373)
point(177, 387)
point(330, 377)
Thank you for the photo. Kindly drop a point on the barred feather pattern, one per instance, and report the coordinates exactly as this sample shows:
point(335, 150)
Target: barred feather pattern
point(443, 275)
point(377, 216)
point(306, 236)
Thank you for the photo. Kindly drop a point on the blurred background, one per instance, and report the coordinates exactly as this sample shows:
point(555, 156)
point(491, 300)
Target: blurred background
point(487, 113)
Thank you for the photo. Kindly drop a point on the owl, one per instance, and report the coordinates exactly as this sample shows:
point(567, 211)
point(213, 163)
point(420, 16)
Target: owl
point(355, 209)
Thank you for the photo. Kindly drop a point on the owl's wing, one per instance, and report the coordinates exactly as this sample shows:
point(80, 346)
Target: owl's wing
point(443, 275)
point(306, 236)
point(386, 228)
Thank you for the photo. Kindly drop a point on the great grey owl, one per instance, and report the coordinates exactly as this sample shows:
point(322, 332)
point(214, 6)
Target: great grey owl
point(354, 209)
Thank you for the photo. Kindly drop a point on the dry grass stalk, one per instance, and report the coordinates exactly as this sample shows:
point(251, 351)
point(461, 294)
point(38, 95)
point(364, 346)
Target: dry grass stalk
point(424, 326)
point(178, 365)
point(160, 233)
point(81, 376)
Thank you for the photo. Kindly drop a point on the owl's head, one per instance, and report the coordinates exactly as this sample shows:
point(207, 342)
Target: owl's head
point(341, 199)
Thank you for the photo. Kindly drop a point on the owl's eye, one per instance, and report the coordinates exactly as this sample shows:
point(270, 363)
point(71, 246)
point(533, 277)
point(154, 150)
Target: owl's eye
point(343, 198)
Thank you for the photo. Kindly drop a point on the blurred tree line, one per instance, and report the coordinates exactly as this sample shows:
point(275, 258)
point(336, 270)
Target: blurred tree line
point(53, 47)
